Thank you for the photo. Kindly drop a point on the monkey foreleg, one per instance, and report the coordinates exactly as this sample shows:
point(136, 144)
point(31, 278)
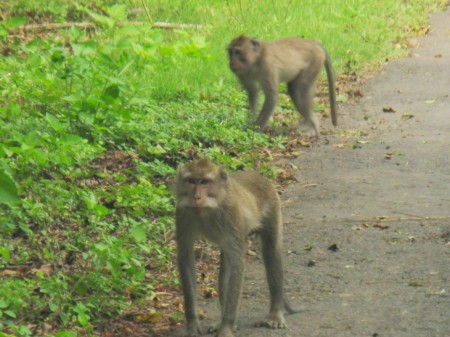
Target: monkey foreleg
point(225, 332)
point(230, 284)
point(193, 329)
point(270, 102)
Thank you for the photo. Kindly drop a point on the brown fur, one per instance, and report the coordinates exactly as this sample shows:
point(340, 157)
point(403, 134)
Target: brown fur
point(292, 60)
point(226, 209)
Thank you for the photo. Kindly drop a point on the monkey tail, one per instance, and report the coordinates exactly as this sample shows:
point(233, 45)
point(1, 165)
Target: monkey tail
point(331, 88)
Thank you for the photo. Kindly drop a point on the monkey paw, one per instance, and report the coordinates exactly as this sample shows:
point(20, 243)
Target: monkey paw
point(274, 320)
point(217, 328)
point(193, 330)
point(225, 331)
point(309, 128)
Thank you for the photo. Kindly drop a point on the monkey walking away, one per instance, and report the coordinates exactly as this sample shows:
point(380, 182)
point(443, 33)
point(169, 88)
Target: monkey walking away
point(292, 60)
point(225, 209)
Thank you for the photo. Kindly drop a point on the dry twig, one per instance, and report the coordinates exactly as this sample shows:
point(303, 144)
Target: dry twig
point(386, 218)
point(90, 25)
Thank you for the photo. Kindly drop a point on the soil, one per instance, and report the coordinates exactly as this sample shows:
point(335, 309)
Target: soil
point(367, 225)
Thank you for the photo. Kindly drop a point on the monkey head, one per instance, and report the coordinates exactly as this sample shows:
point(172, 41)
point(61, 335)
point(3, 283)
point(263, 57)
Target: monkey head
point(200, 184)
point(243, 53)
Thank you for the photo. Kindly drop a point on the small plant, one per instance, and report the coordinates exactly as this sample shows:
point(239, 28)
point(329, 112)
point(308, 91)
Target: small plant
point(93, 123)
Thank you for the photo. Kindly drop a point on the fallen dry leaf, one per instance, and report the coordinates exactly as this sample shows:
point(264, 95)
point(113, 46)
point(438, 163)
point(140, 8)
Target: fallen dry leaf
point(381, 226)
point(333, 248)
point(413, 43)
point(388, 109)
point(307, 247)
point(311, 263)
point(153, 317)
point(45, 269)
point(407, 116)
point(309, 185)
point(210, 293)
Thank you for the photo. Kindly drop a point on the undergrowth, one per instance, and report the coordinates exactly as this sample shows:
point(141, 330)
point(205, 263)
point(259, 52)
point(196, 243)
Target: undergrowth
point(94, 122)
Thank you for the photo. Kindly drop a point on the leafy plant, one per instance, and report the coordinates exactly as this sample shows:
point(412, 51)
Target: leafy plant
point(8, 188)
point(93, 123)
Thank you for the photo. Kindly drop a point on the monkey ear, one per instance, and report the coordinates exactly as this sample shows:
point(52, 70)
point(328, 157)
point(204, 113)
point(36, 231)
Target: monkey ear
point(180, 172)
point(255, 43)
point(172, 185)
point(223, 175)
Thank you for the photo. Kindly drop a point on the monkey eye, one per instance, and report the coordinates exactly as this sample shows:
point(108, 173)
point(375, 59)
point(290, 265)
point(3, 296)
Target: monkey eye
point(191, 181)
point(234, 52)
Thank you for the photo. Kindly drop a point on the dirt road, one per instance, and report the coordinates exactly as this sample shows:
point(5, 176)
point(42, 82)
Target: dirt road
point(389, 277)
point(367, 226)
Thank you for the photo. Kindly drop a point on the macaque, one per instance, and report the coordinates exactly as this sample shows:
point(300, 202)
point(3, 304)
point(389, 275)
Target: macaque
point(293, 60)
point(226, 209)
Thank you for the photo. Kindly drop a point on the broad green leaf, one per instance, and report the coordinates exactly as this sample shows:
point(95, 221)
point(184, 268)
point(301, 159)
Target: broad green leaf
point(8, 189)
point(101, 19)
point(3, 32)
point(54, 123)
point(101, 211)
point(23, 226)
point(6, 256)
point(10, 313)
point(111, 93)
point(118, 12)
point(53, 307)
point(70, 139)
point(16, 21)
point(86, 118)
point(138, 232)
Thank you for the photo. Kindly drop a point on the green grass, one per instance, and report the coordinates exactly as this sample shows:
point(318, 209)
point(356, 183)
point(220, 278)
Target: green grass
point(94, 123)
point(357, 34)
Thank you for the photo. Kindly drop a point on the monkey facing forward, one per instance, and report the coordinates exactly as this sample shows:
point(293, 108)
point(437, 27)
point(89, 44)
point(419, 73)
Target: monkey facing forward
point(225, 209)
point(292, 60)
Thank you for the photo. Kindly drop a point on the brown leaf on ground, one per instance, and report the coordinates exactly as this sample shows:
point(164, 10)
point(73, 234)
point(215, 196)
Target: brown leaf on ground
point(388, 109)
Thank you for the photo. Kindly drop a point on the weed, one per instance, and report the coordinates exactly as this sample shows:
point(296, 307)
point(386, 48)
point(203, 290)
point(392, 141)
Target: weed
point(94, 122)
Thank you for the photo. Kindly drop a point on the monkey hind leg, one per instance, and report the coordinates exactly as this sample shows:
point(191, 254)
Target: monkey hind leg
point(310, 127)
point(302, 97)
point(271, 250)
point(274, 320)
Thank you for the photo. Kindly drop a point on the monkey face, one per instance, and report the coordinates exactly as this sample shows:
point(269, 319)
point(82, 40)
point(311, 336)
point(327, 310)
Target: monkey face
point(200, 192)
point(199, 184)
point(243, 53)
point(237, 60)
